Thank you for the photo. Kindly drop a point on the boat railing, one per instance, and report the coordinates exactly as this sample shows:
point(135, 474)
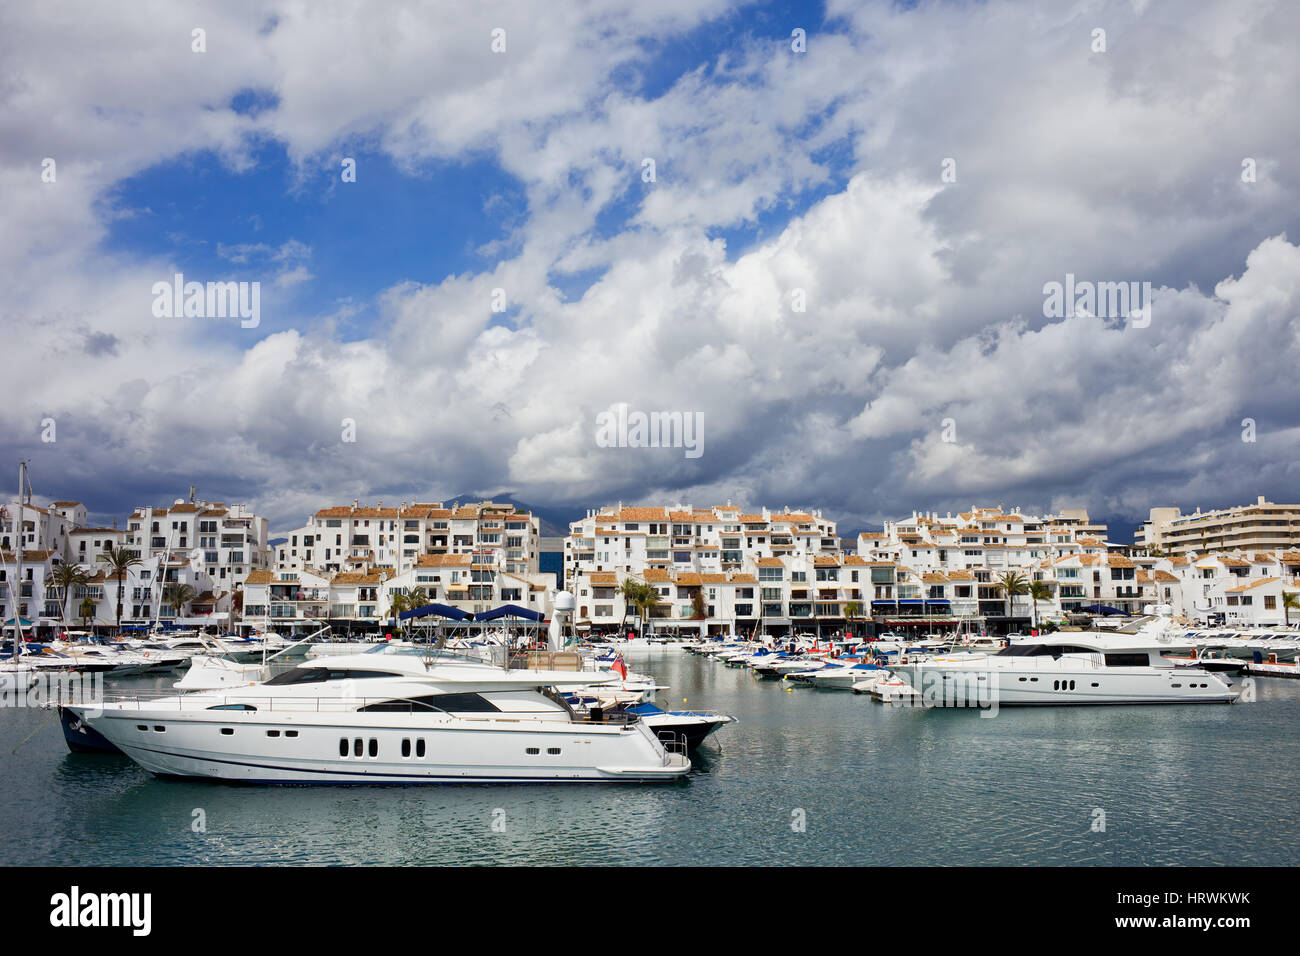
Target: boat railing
point(674, 744)
point(237, 703)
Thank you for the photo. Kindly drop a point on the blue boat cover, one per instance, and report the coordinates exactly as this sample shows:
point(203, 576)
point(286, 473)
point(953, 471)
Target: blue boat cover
point(509, 610)
point(440, 610)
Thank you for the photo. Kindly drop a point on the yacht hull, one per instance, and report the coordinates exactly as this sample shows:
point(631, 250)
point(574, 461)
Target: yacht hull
point(371, 749)
point(946, 686)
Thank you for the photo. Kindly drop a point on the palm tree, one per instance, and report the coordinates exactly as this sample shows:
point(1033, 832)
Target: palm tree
point(86, 611)
point(851, 612)
point(1290, 602)
point(67, 577)
point(628, 591)
point(176, 596)
point(1038, 591)
point(398, 605)
point(119, 561)
point(1012, 584)
point(642, 596)
point(697, 605)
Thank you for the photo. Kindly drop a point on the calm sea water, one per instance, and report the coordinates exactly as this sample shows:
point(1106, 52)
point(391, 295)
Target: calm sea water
point(1198, 785)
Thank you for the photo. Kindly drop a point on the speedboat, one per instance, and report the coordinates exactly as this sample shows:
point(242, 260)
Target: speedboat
point(844, 678)
point(16, 678)
point(391, 715)
point(692, 726)
point(1070, 667)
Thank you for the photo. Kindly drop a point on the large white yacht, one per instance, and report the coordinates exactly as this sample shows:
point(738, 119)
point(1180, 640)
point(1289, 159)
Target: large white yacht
point(1072, 667)
point(390, 715)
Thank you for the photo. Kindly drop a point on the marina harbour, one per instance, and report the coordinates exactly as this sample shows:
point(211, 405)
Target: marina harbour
point(802, 775)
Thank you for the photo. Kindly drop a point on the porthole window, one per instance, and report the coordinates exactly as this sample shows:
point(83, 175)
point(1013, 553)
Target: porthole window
point(273, 733)
point(533, 750)
point(406, 747)
point(374, 747)
point(159, 729)
point(144, 727)
point(552, 750)
point(357, 747)
point(291, 733)
point(228, 731)
point(1071, 685)
point(419, 747)
point(343, 746)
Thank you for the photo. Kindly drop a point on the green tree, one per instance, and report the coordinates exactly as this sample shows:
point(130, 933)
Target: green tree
point(119, 561)
point(1012, 583)
point(1290, 602)
point(66, 577)
point(1038, 591)
point(176, 596)
point(87, 610)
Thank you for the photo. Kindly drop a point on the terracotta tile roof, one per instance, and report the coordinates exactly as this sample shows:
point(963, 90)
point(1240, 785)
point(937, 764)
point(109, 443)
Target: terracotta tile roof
point(186, 508)
point(771, 563)
point(713, 578)
point(259, 577)
point(341, 512)
point(826, 561)
point(1233, 562)
point(656, 574)
point(376, 513)
point(681, 516)
point(743, 579)
point(689, 580)
point(1252, 584)
point(358, 577)
point(642, 514)
point(443, 561)
point(752, 519)
point(934, 577)
point(1161, 575)
point(64, 504)
point(605, 579)
point(34, 556)
point(960, 576)
point(1119, 561)
point(855, 559)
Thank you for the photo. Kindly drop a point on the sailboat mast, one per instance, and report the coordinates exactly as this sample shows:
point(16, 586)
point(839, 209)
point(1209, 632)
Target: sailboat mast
point(16, 589)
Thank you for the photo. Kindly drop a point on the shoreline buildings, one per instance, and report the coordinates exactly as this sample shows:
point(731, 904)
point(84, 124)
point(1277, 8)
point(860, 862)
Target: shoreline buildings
point(1262, 526)
point(718, 569)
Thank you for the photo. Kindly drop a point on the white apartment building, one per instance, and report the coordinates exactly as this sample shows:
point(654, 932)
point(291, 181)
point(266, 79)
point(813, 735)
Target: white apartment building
point(747, 568)
point(227, 542)
point(361, 538)
point(363, 599)
point(1262, 526)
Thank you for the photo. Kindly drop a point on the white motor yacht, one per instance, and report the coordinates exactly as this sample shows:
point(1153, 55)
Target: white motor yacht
point(1071, 667)
point(392, 715)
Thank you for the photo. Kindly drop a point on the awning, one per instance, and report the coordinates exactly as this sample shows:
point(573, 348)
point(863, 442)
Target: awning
point(508, 610)
point(439, 610)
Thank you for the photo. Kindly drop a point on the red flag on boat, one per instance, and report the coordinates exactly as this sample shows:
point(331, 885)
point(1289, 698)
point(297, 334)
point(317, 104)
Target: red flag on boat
point(619, 666)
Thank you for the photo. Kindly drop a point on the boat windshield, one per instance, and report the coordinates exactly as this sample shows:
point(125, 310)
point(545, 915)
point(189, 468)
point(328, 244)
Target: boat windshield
point(427, 652)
